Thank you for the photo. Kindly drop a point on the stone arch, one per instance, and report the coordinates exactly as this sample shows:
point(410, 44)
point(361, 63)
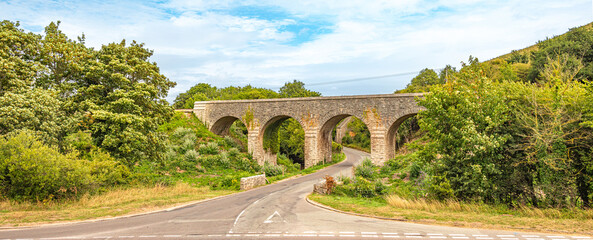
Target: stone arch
point(267, 130)
point(324, 138)
point(390, 141)
point(222, 125)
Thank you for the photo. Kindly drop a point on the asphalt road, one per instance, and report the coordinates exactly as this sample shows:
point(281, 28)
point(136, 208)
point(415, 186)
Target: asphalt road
point(277, 211)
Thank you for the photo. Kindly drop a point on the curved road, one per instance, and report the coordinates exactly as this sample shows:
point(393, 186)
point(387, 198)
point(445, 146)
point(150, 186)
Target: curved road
point(277, 211)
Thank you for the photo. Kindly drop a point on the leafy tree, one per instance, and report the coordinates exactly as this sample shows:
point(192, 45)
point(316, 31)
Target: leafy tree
point(577, 43)
point(421, 83)
point(296, 89)
point(19, 52)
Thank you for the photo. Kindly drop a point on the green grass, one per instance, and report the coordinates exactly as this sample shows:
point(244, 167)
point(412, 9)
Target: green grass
point(453, 213)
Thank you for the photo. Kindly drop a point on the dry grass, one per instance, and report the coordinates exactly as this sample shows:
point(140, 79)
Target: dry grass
point(113, 203)
point(454, 213)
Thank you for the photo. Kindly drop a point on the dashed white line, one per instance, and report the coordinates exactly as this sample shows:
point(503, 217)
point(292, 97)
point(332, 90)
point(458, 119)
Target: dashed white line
point(530, 236)
point(272, 235)
point(505, 236)
point(326, 235)
point(307, 235)
point(125, 236)
point(480, 235)
point(581, 237)
point(233, 235)
point(369, 236)
point(434, 234)
point(147, 236)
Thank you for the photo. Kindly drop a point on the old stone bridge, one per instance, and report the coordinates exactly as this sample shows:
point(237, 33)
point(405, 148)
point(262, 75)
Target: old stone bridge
point(317, 115)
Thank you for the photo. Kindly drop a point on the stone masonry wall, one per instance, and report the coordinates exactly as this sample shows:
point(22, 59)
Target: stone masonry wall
point(253, 181)
point(317, 115)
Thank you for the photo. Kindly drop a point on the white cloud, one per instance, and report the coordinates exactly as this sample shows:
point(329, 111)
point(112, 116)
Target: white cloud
point(197, 41)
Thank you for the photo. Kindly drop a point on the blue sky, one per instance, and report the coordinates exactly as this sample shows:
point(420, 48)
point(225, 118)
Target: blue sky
point(267, 43)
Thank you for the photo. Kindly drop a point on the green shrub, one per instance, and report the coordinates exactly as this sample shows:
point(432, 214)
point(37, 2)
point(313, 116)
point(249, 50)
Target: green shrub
point(31, 170)
point(336, 147)
point(283, 160)
point(360, 187)
point(272, 170)
point(366, 170)
point(209, 148)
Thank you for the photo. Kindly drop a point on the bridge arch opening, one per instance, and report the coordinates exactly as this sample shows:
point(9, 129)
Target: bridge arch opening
point(283, 136)
point(397, 135)
point(233, 127)
point(345, 129)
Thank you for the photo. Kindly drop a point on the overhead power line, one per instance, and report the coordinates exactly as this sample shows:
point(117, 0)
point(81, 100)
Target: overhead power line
point(362, 79)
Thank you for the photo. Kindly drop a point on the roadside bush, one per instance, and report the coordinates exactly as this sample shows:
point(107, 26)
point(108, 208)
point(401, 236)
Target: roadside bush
point(283, 160)
point(33, 171)
point(272, 170)
point(336, 147)
point(360, 187)
point(366, 170)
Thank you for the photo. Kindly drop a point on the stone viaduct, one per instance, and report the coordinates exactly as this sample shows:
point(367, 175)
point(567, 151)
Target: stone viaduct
point(317, 115)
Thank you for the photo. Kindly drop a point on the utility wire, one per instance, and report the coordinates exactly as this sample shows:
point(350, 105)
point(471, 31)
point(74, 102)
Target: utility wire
point(363, 78)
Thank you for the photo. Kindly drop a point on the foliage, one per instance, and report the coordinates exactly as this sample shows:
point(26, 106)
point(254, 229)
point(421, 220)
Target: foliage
point(508, 142)
point(32, 170)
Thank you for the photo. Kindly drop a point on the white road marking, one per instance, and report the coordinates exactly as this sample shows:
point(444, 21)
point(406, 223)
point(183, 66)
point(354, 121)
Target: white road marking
point(125, 236)
point(460, 237)
point(233, 235)
point(390, 236)
point(581, 237)
point(369, 236)
point(480, 235)
point(272, 235)
point(369, 233)
point(456, 234)
point(307, 235)
point(269, 220)
point(147, 236)
point(347, 235)
point(530, 236)
point(326, 235)
point(101, 237)
point(505, 235)
point(290, 235)
point(390, 233)
point(347, 232)
point(555, 236)
point(484, 238)
point(173, 236)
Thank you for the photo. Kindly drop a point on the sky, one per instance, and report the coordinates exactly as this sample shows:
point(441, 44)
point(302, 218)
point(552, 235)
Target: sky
point(336, 47)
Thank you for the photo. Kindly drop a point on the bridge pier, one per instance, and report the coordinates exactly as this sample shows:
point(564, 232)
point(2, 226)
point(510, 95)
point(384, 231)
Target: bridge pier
point(378, 146)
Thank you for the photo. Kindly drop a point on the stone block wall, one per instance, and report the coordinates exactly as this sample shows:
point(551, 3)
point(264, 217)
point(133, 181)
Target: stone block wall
point(253, 181)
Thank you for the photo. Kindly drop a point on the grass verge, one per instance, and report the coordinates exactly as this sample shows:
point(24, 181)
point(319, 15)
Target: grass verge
point(116, 202)
point(466, 215)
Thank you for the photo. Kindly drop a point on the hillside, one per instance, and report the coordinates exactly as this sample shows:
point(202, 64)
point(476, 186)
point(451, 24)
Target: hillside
point(528, 50)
